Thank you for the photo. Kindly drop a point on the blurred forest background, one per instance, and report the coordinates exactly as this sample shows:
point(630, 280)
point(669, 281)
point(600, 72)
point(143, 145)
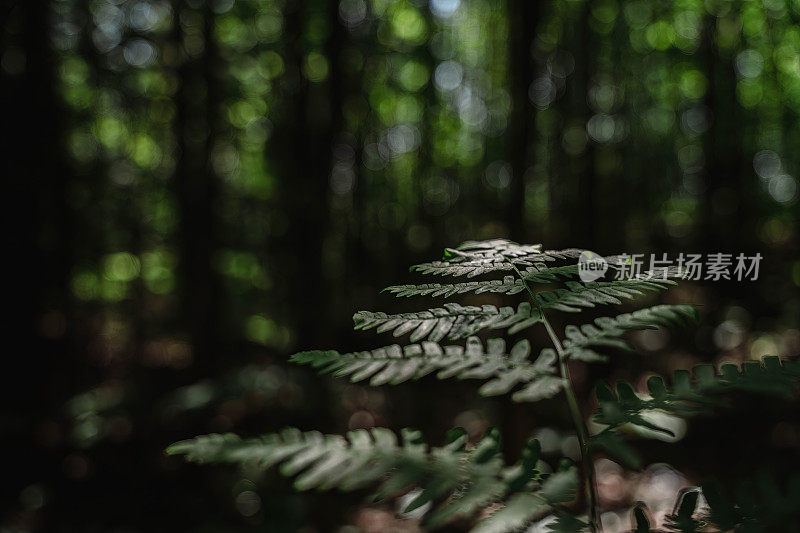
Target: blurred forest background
point(198, 188)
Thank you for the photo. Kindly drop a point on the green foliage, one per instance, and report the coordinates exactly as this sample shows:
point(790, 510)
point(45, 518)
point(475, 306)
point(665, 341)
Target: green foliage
point(761, 506)
point(453, 321)
point(474, 258)
point(589, 294)
point(607, 331)
point(571, 298)
point(518, 511)
point(682, 518)
point(508, 285)
point(395, 365)
point(566, 523)
point(755, 505)
point(458, 480)
point(455, 479)
point(693, 391)
point(614, 445)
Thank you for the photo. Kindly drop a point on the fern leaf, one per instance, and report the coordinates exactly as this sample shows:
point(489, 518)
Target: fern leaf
point(508, 285)
point(490, 246)
point(471, 264)
point(524, 507)
point(393, 365)
point(561, 486)
point(474, 258)
point(456, 480)
point(542, 273)
point(609, 442)
point(589, 294)
point(567, 523)
point(518, 253)
point(571, 298)
point(453, 321)
point(764, 499)
point(690, 392)
point(514, 516)
point(682, 518)
point(606, 331)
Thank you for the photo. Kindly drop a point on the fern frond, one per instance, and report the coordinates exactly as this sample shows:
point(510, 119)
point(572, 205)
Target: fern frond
point(763, 499)
point(393, 365)
point(567, 523)
point(692, 390)
point(610, 442)
point(522, 508)
point(454, 321)
point(478, 248)
point(682, 518)
point(577, 294)
point(519, 254)
point(606, 331)
point(457, 263)
point(514, 515)
point(542, 273)
point(508, 285)
point(458, 481)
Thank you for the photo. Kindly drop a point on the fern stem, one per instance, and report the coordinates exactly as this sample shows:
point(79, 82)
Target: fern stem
point(575, 412)
point(580, 426)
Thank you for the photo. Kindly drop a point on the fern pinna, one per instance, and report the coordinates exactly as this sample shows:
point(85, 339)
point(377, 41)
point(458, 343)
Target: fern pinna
point(459, 481)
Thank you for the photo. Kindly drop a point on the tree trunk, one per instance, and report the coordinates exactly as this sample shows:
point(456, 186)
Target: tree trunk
point(39, 260)
point(301, 147)
point(196, 188)
point(523, 18)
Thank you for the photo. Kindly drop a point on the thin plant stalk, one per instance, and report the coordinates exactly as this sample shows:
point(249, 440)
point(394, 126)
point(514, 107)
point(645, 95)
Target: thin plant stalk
point(580, 426)
point(575, 412)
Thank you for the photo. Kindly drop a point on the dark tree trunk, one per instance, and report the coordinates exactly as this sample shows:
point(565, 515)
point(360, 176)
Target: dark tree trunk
point(726, 195)
point(301, 147)
point(579, 168)
point(39, 230)
point(587, 177)
point(196, 187)
point(523, 18)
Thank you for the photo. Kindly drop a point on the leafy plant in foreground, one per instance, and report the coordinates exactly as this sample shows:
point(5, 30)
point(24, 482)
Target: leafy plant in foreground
point(459, 481)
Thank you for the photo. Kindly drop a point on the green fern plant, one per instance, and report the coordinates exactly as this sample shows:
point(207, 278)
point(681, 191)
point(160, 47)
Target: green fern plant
point(459, 480)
